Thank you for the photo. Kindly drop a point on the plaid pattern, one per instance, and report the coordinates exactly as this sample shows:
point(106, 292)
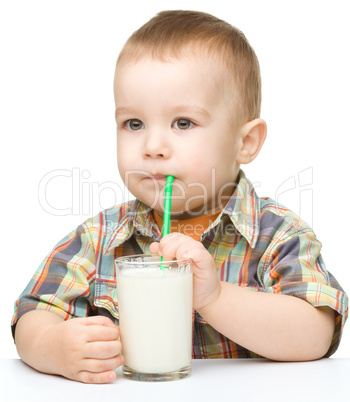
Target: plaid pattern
point(255, 243)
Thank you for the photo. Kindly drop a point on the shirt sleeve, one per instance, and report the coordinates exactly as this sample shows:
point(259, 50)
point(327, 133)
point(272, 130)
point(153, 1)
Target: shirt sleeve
point(295, 267)
point(64, 281)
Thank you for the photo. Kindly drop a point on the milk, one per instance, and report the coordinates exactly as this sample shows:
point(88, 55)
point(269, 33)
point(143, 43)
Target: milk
point(155, 312)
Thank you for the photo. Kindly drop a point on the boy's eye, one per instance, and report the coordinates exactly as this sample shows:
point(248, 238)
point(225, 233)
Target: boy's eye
point(134, 124)
point(183, 124)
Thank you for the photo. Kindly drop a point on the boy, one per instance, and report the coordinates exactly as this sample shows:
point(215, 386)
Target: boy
point(187, 94)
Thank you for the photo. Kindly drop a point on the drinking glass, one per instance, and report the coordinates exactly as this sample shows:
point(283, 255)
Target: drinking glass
point(155, 317)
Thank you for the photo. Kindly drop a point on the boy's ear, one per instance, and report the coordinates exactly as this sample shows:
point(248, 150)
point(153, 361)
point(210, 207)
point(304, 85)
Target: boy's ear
point(253, 135)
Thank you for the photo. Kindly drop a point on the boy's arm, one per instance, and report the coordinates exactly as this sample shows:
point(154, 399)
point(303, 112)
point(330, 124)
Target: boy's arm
point(82, 349)
point(275, 326)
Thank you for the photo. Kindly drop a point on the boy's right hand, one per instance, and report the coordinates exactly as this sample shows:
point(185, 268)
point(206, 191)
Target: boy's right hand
point(81, 349)
point(87, 349)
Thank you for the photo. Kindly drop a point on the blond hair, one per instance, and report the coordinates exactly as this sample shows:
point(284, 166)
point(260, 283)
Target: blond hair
point(173, 33)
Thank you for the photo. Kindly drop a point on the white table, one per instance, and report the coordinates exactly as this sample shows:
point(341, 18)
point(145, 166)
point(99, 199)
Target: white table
point(212, 380)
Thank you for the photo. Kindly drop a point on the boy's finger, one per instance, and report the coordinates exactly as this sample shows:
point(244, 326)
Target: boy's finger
point(98, 320)
point(153, 248)
point(102, 350)
point(172, 241)
point(200, 257)
point(172, 245)
point(102, 365)
point(96, 378)
point(100, 333)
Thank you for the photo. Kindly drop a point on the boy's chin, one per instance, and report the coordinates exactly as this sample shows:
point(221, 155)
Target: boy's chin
point(175, 213)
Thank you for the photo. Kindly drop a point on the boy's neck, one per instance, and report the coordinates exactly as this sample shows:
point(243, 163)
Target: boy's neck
point(192, 226)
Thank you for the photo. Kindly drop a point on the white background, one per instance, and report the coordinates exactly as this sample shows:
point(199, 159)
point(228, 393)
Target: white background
point(57, 125)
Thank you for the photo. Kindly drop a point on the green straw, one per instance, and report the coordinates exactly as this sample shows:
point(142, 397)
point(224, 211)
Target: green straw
point(167, 210)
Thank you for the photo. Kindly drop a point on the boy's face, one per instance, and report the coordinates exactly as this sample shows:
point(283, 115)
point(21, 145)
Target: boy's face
point(172, 119)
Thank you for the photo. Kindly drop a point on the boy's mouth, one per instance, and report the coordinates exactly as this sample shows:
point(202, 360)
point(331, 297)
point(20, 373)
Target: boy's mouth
point(157, 177)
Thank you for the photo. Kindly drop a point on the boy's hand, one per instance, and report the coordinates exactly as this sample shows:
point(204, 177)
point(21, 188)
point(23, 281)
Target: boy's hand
point(206, 285)
point(87, 349)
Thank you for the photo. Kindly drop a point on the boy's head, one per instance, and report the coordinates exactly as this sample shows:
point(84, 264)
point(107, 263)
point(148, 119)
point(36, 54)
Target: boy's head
point(187, 93)
point(175, 34)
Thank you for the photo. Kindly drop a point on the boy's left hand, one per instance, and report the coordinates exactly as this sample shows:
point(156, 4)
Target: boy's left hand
point(206, 285)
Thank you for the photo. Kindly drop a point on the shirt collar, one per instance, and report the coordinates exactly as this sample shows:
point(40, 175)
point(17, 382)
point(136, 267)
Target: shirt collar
point(243, 209)
point(138, 217)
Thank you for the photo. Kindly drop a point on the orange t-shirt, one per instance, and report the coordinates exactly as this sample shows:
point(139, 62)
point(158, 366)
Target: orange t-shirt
point(193, 227)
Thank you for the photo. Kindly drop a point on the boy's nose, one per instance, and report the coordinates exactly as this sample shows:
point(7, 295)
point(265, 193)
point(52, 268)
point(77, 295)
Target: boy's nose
point(156, 147)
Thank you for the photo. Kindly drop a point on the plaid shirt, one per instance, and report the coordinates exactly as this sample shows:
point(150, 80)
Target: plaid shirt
point(255, 243)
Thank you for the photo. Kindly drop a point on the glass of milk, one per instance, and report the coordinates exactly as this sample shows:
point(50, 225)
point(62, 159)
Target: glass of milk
point(155, 317)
